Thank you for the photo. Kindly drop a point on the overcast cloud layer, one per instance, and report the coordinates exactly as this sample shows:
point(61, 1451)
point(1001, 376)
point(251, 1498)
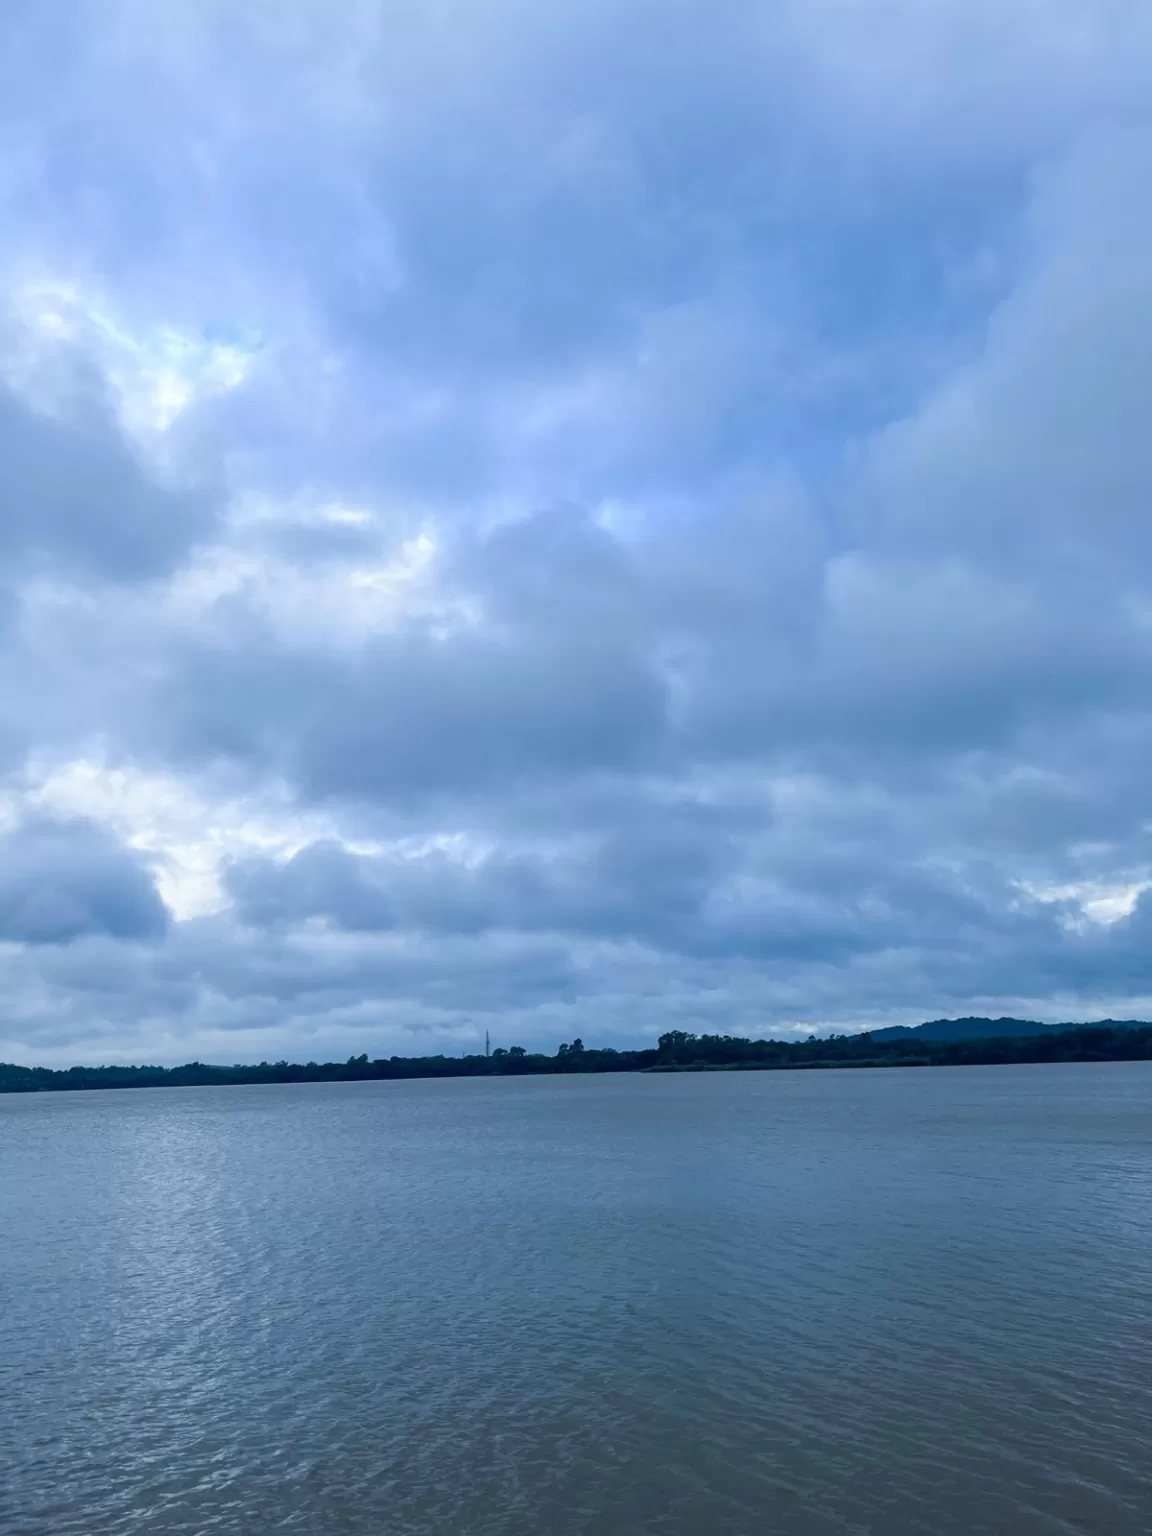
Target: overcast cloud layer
point(570, 519)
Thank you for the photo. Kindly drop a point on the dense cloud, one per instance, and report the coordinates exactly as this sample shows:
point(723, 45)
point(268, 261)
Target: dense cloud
point(64, 881)
point(571, 521)
point(76, 501)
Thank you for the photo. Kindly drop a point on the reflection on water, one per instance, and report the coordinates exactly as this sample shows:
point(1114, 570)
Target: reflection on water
point(866, 1302)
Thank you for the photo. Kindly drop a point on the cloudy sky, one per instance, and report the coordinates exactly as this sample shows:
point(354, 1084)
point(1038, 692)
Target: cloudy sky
point(570, 519)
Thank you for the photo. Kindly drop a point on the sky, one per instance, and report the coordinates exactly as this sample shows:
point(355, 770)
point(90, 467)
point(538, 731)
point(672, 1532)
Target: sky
point(570, 520)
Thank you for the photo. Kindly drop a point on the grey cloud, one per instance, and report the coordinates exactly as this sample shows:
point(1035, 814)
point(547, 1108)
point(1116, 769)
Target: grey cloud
point(644, 884)
point(62, 880)
point(1034, 454)
point(551, 677)
point(771, 900)
point(75, 500)
point(421, 715)
point(822, 676)
point(322, 880)
point(952, 596)
point(432, 714)
point(555, 209)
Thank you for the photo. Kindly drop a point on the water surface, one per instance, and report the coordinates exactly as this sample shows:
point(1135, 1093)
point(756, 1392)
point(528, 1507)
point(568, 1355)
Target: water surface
point(702, 1305)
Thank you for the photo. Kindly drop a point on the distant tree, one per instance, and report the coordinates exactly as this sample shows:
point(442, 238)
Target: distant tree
point(672, 1044)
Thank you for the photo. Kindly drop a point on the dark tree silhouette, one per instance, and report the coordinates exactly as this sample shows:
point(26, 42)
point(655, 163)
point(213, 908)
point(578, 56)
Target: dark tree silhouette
point(675, 1051)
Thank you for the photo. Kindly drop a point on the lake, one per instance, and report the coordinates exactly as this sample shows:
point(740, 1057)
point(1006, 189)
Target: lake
point(717, 1304)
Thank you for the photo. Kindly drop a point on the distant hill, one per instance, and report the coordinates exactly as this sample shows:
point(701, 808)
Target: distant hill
point(989, 1029)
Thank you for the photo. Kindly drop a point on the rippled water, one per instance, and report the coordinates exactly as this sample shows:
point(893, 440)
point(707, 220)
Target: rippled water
point(806, 1303)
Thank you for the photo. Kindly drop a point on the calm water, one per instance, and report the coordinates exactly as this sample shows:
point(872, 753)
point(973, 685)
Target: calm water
point(885, 1303)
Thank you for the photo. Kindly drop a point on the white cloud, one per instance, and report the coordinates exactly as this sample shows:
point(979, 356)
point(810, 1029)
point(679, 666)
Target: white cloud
point(154, 375)
point(187, 831)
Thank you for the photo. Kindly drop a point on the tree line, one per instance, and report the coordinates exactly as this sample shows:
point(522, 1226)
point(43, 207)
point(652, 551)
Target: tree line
point(675, 1051)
